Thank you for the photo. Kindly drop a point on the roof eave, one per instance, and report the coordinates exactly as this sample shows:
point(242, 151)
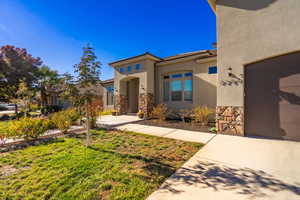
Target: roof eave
point(142, 56)
point(212, 4)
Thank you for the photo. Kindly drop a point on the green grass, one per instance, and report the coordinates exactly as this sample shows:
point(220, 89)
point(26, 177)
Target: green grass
point(118, 165)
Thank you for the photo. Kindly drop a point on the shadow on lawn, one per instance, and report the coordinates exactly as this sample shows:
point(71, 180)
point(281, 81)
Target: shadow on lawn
point(245, 181)
point(152, 165)
point(28, 143)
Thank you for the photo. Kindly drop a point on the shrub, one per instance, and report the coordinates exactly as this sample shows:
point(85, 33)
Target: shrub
point(61, 120)
point(3, 132)
point(141, 114)
point(27, 128)
point(202, 114)
point(34, 107)
point(72, 113)
point(213, 129)
point(160, 112)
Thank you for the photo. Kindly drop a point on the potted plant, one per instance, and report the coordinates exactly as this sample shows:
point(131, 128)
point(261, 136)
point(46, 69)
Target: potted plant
point(141, 114)
point(114, 113)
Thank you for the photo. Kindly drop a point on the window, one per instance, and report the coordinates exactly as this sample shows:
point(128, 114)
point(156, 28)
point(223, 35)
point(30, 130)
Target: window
point(188, 74)
point(122, 70)
point(213, 70)
point(110, 95)
point(188, 90)
point(176, 75)
point(176, 91)
point(178, 87)
point(129, 69)
point(137, 66)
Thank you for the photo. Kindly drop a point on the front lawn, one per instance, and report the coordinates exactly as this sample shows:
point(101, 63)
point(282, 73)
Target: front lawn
point(118, 165)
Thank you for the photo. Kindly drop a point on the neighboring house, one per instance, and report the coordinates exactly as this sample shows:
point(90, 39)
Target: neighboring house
point(259, 67)
point(181, 82)
point(108, 94)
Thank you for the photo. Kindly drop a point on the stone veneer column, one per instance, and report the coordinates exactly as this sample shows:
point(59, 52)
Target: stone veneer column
point(146, 103)
point(120, 104)
point(230, 120)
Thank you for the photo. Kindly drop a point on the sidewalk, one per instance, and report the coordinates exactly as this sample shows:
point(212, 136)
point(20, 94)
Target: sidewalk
point(127, 123)
point(237, 168)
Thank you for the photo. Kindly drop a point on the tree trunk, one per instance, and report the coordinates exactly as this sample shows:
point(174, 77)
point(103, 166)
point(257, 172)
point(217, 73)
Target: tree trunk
point(87, 124)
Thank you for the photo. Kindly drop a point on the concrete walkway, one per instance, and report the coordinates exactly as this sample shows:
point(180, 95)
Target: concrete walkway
point(126, 123)
point(227, 167)
point(237, 168)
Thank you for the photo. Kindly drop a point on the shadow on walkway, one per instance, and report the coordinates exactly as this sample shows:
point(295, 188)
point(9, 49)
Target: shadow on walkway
point(245, 181)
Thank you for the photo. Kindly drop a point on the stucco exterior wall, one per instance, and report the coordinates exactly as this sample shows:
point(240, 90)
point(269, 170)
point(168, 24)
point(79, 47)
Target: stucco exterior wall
point(142, 75)
point(204, 84)
point(250, 31)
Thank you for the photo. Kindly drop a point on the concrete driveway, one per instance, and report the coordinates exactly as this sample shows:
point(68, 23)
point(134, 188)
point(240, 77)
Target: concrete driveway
point(237, 168)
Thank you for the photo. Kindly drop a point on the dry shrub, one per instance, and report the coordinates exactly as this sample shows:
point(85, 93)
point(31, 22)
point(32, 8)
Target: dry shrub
point(202, 114)
point(160, 112)
point(27, 128)
point(61, 121)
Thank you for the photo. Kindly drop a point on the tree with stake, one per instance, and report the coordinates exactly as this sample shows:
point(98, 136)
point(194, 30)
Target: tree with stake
point(88, 72)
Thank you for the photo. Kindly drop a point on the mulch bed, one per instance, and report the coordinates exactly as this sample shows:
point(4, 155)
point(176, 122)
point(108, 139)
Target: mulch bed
point(178, 124)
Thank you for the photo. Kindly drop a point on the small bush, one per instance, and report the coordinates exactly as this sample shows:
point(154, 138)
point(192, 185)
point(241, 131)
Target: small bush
point(27, 128)
point(3, 132)
point(213, 129)
point(61, 120)
point(73, 114)
point(160, 112)
point(202, 114)
point(34, 107)
point(141, 114)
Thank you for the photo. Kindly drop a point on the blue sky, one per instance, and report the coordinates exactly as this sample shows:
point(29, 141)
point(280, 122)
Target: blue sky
point(56, 30)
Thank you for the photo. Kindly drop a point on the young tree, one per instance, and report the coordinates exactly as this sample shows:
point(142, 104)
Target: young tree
point(24, 97)
point(88, 72)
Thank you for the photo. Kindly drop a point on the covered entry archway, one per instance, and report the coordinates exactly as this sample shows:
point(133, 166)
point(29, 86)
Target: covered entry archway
point(272, 98)
point(129, 88)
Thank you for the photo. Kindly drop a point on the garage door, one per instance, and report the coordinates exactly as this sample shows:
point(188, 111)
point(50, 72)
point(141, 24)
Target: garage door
point(272, 98)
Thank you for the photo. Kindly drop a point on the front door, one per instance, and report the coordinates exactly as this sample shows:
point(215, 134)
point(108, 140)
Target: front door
point(133, 94)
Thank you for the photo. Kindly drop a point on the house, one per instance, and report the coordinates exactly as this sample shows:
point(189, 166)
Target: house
point(258, 91)
point(181, 82)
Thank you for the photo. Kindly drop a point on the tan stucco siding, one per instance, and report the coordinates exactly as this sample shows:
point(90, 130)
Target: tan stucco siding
point(204, 84)
point(250, 31)
point(141, 75)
